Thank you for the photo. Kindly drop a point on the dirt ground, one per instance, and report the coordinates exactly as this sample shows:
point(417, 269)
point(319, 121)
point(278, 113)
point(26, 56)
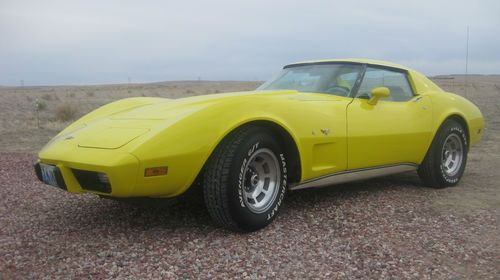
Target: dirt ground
point(382, 228)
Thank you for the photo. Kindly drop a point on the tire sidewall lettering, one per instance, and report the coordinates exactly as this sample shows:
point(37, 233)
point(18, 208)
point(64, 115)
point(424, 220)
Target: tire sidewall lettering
point(241, 182)
point(274, 209)
point(241, 179)
point(282, 186)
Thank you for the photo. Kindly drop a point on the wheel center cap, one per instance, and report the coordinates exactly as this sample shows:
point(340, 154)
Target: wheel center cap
point(254, 180)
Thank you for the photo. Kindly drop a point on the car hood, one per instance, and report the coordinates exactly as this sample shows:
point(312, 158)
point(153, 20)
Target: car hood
point(185, 106)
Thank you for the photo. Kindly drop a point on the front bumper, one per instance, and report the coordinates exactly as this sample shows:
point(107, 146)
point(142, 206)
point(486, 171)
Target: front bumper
point(82, 171)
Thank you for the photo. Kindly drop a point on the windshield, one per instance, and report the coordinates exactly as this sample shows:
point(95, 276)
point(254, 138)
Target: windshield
point(337, 79)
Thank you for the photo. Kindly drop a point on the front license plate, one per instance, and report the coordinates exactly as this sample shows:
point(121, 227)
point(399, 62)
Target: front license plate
point(49, 174)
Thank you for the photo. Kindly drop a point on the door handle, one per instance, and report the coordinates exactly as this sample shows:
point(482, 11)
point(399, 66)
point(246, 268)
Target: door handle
point(417, 99)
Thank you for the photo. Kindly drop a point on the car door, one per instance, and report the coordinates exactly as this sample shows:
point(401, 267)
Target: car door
point(394, 130)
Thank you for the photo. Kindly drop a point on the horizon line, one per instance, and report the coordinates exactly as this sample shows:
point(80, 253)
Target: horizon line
point(180, 81)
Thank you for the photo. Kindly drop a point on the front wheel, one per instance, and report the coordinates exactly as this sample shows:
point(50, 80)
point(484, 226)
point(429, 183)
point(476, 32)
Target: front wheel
point(245, 180)
point(445, 161)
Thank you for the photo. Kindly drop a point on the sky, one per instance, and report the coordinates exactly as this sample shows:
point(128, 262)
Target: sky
point(96, 42)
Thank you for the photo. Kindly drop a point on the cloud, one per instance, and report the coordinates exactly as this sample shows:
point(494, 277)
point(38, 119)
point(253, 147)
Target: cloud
point(80, 42)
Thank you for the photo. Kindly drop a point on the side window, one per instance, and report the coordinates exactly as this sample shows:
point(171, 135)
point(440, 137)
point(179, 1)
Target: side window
point(349, 78)
point(395, 81)
point(299, 80)
point(342, 81)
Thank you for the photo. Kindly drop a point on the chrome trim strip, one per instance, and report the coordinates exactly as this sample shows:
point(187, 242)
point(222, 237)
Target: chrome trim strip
point(355, 175)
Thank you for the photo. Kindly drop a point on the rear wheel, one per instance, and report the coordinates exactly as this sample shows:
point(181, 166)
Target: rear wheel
point(245, 180)
point(445, 161)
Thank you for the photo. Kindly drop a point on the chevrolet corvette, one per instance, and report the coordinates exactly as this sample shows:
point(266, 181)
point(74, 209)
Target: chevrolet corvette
point(316, 124)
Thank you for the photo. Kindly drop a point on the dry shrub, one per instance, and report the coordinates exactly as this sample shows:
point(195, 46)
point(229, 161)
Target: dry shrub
point(40, 105)
point(90, 93)
point(47, 97)
point(189, 91)
point(66, 112)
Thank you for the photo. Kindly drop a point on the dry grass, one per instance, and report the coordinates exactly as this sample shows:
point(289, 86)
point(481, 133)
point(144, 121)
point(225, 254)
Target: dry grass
point(47, 97)
point(66, 112)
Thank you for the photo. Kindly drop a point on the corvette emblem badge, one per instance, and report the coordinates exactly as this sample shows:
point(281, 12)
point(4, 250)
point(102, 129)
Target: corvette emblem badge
point(325, 131)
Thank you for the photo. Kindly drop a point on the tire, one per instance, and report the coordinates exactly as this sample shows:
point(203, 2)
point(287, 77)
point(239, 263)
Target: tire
point(245, 181)
point(445, 162)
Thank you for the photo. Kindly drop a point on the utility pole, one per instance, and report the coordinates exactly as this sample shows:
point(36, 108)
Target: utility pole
point(467, 61)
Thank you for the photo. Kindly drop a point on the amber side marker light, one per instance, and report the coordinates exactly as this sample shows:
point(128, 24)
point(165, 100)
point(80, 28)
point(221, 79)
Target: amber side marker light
point(155, 171)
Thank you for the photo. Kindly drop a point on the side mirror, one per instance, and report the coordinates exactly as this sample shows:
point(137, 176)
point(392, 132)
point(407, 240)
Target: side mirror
point(378, 93)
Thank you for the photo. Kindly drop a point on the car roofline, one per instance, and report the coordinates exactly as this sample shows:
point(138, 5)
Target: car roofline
point(350, 61)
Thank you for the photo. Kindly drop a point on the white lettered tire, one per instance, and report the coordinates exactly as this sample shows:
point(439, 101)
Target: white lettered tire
point(446, 159)
point(245, 180)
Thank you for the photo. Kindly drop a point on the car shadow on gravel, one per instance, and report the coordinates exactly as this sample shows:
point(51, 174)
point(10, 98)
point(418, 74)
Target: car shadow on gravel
point(93, 212)
point(122, 216)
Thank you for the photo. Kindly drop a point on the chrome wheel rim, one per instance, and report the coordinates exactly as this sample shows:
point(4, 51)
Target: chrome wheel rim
point(261, 181)
point(452, 155)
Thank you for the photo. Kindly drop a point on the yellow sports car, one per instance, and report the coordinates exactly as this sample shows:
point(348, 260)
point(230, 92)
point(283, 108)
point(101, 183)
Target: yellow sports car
point(315, 124)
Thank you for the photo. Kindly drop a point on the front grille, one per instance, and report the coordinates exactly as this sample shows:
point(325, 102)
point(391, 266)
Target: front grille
point(93, 181)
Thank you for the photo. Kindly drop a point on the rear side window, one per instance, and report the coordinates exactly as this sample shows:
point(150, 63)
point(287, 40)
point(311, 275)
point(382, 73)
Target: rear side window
point(395, 81)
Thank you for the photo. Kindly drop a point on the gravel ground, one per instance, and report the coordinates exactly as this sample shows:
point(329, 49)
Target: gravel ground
point(384, 228)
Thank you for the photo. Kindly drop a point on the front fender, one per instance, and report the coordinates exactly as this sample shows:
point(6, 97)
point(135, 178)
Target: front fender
point(186, 144)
